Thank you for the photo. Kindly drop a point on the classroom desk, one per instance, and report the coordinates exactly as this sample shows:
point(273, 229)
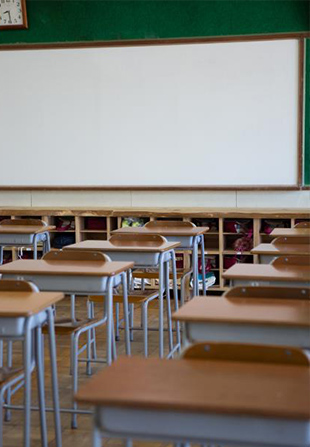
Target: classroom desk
point(247, 320)
point(75, 278)
point(21, 313)
point(234, 403)
point(24, 235)
point(282, 246)
point(189, 238)
point(291, 232)
point(268, 275)
point(79, 277)
point(149, 252)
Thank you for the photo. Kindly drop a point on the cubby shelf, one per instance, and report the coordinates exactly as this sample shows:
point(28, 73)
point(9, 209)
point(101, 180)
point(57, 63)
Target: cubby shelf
point(217, 239)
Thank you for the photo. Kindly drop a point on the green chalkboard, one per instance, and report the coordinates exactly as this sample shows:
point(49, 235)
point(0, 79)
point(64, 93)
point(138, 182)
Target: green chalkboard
point(90, 20)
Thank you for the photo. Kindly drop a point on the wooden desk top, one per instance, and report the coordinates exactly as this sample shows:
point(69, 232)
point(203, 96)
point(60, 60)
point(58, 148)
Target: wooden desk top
point(246, 311)
point(283, 249)
point(224, 387)
point(107, 246)
point(25, 304)
point(291, 232)
point(164, 230)
point(62, 268)
point(25, 229)
point(268, 272)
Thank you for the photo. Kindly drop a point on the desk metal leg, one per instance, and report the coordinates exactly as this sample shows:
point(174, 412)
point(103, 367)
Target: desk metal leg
point(96, 437)
point(35, 247)
point(176, 297)
point(203, 265)
point(109, 314)
point(40, 381)
point(167, 286)
point(195, 268)
point(1, 255)
point(27, 384)
point(161, 307)
point(54, 377)
point(126, 312)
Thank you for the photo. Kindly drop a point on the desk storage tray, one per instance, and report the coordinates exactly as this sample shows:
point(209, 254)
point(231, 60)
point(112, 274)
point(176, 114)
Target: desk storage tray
point(15, 327)
point(140, 259)
point(68, 284)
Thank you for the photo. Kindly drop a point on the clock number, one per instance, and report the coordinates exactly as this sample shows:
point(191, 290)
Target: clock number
point(9, 14)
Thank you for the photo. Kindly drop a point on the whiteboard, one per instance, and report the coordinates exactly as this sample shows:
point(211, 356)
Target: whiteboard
point(221, 114)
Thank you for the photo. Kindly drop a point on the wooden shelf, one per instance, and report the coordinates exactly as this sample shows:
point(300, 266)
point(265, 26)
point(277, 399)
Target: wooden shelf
point(62, 231)
point(94, 231)
point(112, 218)
point(237, 253)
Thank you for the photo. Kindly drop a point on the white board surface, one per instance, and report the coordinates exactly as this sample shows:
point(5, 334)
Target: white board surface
point(173, 115)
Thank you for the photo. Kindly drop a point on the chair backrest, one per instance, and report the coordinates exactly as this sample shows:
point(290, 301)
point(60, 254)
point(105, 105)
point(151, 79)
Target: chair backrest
point(12, 285)
point(305, 224)
point(76, 255)
point(282, 261)
point(286, 240)
point(30, 222)
point(169, 223)
point(289, 293)
point(136, 240)
point(236, 352)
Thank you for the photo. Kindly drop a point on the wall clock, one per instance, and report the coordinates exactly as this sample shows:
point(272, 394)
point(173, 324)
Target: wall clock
point(13, 14)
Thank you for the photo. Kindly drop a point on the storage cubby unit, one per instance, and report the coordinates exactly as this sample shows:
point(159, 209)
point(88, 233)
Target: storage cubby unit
point(226, 227)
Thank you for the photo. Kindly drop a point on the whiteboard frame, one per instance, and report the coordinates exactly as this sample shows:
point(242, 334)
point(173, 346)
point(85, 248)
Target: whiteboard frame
point(300, 37)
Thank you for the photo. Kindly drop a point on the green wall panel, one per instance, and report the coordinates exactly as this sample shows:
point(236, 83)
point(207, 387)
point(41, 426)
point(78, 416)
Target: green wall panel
point(88, 20)
point(307, 118)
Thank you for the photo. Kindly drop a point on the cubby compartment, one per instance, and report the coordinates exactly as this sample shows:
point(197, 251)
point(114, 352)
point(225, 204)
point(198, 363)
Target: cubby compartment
point(231, 260)
point(94, 236)
point(211, 243)
point(63, 224)
point(133, 221)
point(94, 224)
point(238, 226)
point(237, 243)
point(61, 239)
point(267, 225)
point(4, 217)
point(112, 223)
point(213, 224)
point(7, 256)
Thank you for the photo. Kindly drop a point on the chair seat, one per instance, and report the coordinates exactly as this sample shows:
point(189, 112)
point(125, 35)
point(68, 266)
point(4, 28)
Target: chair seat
point(7, 374)
point(155, 274)
point(134, 297)
point(67, 326)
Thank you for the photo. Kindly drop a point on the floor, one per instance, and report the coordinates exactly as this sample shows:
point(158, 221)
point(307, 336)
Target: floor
point(81, 437)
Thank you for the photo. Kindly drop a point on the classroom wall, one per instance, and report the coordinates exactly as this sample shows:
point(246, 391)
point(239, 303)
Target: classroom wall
point(75, 21)
point(90, 20)
point(136, 199)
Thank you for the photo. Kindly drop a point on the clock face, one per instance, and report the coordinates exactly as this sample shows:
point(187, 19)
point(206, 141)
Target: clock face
point(13, 14)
